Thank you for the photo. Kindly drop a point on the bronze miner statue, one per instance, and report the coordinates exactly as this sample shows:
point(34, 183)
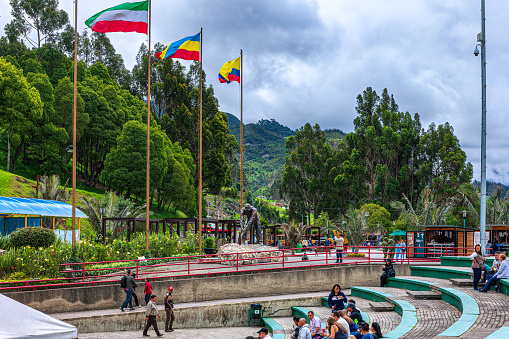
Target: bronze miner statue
point(249, 218)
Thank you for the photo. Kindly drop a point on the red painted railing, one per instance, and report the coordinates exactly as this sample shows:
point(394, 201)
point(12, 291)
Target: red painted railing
point(209, 265)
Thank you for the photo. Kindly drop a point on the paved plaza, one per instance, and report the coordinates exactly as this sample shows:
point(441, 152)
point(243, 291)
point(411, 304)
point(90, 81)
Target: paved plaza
point(202, 333)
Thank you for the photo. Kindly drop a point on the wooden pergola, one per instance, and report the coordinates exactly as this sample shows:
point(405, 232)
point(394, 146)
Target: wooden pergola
point(131, 225)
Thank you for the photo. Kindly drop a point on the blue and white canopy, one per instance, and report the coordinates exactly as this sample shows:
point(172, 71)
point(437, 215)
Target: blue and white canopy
point(37, 207)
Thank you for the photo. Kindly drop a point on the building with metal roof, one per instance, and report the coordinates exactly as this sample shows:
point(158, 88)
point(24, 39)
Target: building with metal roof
point(24, 212)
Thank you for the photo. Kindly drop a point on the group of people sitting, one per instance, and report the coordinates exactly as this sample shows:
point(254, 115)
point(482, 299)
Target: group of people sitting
point(345, 323)
point(485, 273)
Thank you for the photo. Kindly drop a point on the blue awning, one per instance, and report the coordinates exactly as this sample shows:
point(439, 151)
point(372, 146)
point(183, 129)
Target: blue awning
point(39, 207)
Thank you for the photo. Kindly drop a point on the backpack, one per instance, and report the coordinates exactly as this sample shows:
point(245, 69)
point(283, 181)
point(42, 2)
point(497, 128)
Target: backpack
point(392, 273)
point(123, 282)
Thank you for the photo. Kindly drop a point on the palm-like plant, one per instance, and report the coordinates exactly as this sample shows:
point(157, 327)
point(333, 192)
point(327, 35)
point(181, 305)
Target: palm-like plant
point(110, 206)
point(50, 189)
point(428, 210)
point(355, 224)
point(293, 233)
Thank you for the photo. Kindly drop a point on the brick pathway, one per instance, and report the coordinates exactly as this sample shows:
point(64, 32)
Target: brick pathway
point(494, 309)
point(210, 333)
point(433, 316)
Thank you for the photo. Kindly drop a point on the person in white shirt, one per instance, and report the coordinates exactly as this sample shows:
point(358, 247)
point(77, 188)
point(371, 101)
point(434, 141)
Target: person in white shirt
point(340, 241)
point(264, 333)
point(502, 273)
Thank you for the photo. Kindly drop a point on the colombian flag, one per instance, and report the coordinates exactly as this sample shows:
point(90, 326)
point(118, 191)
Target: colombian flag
point(230, 71)
point(187, 49)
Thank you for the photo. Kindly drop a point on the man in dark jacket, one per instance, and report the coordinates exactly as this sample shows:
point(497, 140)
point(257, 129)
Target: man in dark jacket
point(130, 285)
point(354, 313)
point(388, 269)
point(168, 306)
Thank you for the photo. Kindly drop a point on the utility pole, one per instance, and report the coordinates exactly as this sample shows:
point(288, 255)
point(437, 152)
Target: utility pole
point(481, 38)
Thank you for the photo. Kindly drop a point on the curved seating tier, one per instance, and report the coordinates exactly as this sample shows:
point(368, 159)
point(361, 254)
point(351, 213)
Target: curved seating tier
point(441, 272)
point(406, 310)
point(465, 303)
point(461, 261)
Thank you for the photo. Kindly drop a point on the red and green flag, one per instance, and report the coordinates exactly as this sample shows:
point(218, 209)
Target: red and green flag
point(126, 17)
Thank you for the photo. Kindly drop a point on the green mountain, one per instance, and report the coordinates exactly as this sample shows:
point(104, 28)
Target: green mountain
point(264, 156)
point(265, 153)
point(492, 188)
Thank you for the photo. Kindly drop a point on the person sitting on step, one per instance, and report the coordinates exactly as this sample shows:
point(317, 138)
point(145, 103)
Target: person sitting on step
point(365, 331)
point(340, 317)
point(334, 330)
point(502, 273)
point(389, 271)
point(376, 331)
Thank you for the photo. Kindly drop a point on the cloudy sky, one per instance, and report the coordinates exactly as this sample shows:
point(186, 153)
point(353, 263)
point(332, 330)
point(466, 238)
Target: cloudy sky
point(306, 61)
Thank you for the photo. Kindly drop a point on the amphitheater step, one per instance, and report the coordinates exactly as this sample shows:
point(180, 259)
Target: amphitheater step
point(461, 282)
point(441, 272)
point(424, 295)
point(381, 306)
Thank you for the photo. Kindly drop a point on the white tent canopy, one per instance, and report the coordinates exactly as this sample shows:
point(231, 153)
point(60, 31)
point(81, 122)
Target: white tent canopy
point(21, 321)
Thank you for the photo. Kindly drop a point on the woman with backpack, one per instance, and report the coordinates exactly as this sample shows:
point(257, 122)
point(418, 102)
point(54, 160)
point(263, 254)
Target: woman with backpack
point(388, 272)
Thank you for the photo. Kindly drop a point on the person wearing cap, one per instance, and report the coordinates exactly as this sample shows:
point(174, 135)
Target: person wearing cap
point(264, 333)
point(168, 307)
point(354, 313)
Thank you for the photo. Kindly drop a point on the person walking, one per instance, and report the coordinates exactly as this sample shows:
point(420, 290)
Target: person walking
point(147, 290)
point(340, 241)
point(168, 307)
point(128, 284)
point(150, 315)
point(477, 265)
point(502, 273)
point(135, 297)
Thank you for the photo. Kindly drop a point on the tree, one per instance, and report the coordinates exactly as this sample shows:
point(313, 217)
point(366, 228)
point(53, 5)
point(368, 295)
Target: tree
point(305, 176)
point(43, 16)
point(444, 164)
point(20, 103)
point(378, 217)
point(125, 167)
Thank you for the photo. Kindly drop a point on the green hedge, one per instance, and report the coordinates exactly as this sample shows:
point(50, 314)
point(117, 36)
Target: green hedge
point(33, 237)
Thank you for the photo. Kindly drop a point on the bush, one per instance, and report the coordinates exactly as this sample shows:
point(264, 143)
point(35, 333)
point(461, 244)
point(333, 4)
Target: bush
point(209, 243)
point(362, 255)
point(33, 236)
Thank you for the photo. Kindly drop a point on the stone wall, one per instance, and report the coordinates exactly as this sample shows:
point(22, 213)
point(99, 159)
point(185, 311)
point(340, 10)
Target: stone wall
point(225, 286)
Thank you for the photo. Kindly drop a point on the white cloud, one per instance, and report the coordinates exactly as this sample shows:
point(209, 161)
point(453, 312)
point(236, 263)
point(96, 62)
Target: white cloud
point(306, 61)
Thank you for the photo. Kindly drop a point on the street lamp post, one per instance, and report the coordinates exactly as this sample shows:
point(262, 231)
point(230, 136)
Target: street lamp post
point(481, 38)
point(464, 213)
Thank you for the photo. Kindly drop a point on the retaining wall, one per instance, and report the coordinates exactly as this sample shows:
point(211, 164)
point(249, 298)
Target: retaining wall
point(195, 289)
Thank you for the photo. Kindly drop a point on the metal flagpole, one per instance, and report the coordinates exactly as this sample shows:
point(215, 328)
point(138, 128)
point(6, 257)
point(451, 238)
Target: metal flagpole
point(148, 128)
point(482, 40)
point(201, 143)
point(75, 97)
point(241, 137)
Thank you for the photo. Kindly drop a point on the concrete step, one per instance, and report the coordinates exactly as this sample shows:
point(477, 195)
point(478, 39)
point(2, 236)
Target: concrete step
point(381, 306)
point(425, 295)
point(461, 282)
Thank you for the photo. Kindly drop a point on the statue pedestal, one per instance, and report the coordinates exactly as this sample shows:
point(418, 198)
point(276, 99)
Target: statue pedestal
point(228, 254)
